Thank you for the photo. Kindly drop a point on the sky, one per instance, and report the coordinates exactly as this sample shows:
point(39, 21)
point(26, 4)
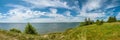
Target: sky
point(57, 10)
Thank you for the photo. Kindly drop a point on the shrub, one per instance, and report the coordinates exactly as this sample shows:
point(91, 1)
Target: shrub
point(15, 30)
point(30, 29)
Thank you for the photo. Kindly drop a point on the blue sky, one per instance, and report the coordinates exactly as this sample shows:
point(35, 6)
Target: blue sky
point(57, 10)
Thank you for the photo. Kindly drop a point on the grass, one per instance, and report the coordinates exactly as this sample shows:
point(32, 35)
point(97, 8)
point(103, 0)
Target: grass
point(7, 35)
point(107, 31)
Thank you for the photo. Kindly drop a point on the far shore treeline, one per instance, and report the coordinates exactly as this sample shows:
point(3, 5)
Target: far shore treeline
point(88, 21)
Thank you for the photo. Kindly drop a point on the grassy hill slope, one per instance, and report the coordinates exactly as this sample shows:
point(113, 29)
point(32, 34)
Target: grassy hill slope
point(6, 35)
point(107, 31)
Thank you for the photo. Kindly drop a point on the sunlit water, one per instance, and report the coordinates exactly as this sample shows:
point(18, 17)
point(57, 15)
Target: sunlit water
point(42, 28)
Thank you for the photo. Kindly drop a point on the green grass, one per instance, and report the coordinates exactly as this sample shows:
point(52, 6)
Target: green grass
point(7, 35)
point(107, 31)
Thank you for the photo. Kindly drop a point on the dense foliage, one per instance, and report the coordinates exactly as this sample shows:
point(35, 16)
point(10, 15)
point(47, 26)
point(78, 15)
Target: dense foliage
point(15, 30)
point(98, 22)
point(87, 21)
point(29, 29)
point(112, 19)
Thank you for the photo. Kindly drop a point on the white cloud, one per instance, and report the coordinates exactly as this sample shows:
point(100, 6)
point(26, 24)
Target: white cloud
point(47, 3)
point(54, 11)
point(1, 16)
point(26, 14)
point(20, 13)
point(92, 15)
point(68, 13)
point(113, 3)
point(91, 5)
point(23, 14)
point(110, 6)
point(118, 16)
point(76, 7)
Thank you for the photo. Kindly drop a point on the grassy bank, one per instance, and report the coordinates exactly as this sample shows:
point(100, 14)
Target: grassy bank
point(107, 31)
point(7, 35)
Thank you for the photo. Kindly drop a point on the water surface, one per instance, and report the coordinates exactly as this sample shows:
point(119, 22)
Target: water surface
point(42, 28)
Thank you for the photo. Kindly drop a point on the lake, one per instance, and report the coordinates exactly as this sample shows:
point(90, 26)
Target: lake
point(42, 28)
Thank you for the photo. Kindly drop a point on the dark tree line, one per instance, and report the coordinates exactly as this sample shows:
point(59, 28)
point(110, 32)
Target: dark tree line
point(112, 19)
point(88, 21)
point(99, 22)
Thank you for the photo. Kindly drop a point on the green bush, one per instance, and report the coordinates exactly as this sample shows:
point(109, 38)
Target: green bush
point(30, 29)
point(15, 30)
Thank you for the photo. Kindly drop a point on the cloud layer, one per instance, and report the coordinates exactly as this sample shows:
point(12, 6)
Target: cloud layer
point(59, 10)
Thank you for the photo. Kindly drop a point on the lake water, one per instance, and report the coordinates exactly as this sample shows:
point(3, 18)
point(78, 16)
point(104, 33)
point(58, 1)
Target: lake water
point(42, 28)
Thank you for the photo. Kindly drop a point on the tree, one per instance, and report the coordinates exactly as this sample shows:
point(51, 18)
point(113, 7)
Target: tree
point(109, 19)
point(102, 21)
point(115, 19)
point(88, 21)
point(112, 19)
point(30, 29)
